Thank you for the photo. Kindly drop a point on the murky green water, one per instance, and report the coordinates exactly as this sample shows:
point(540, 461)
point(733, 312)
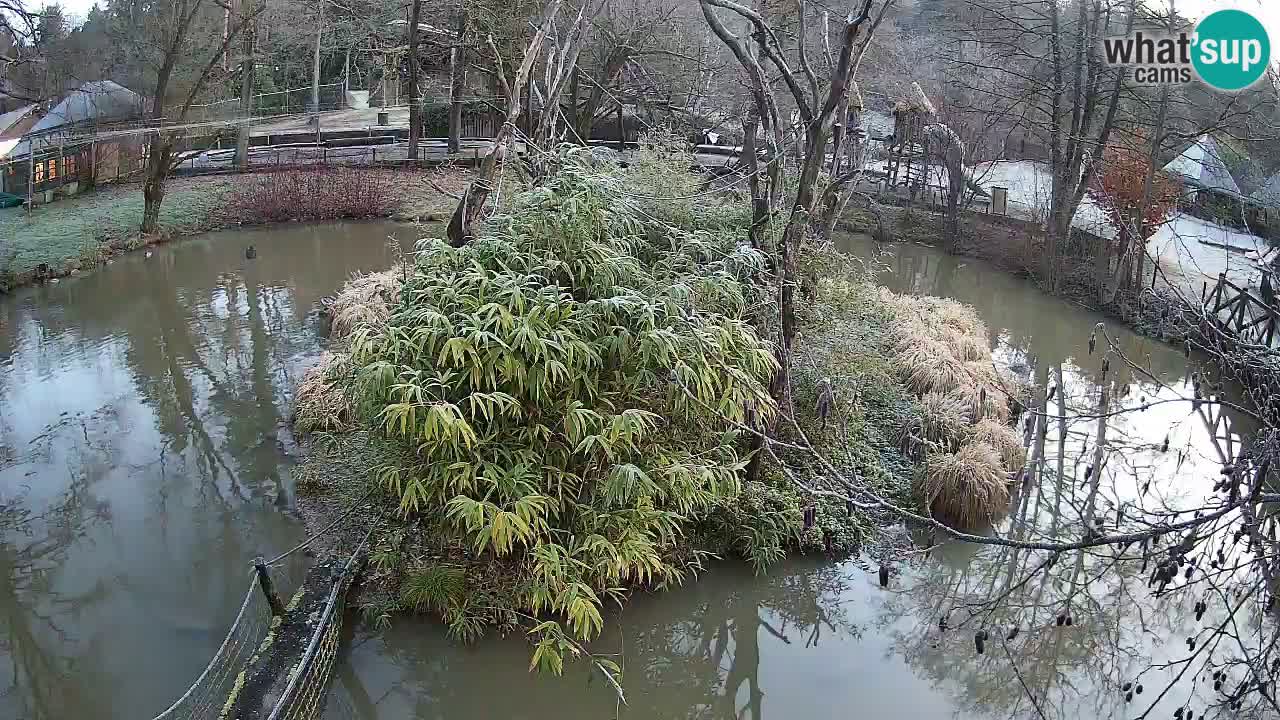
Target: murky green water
point(144, 459)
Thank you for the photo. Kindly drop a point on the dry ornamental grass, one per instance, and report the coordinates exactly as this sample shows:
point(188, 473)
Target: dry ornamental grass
point(364, 300)
point(320, 403)
point(967, 488)
point(941, 353)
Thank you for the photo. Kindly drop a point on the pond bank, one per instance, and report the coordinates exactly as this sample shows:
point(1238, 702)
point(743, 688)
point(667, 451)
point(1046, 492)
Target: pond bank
point(77, 234)
point(1013, 245)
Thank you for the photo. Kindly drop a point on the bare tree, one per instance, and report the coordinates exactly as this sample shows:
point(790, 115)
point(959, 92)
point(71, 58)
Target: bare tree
point(19, 41)
point(473, 199)
point(817, 106)
point(170, 28)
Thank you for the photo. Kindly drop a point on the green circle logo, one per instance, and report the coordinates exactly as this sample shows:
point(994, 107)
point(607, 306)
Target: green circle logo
point(1231, 50)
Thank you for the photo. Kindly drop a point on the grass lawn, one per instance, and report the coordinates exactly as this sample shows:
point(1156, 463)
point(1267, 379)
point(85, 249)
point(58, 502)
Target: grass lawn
point(80, 232)
point(84, 227)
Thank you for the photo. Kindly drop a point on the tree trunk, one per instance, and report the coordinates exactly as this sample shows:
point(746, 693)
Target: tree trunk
point(415, 105)
point(759, 202)
point(159, 151)
point(1153, 156)
point(315, 61)
point(459, 231)
point(613, 66)
point(457, 80)
point(247, 70)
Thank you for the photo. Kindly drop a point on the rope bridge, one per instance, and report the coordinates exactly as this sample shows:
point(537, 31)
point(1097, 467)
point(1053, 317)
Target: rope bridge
point(276, 660)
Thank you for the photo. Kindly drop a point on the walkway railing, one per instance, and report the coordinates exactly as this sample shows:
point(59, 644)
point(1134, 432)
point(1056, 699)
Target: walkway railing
point(303, 696)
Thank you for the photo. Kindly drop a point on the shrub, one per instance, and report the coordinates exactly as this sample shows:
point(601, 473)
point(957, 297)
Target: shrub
point(555, 385)
point(313, 194)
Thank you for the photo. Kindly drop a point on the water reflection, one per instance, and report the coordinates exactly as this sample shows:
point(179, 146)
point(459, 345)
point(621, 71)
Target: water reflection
point(1087, 624)
point(731, 645)
point(144, 457)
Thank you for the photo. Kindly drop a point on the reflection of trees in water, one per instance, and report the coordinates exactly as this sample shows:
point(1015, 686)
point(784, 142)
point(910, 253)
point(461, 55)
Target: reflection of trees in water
point(710, 649)
point(43, 682)
point(208, 338)
point(691, 653)
point(1086, 620)
point(206, 341)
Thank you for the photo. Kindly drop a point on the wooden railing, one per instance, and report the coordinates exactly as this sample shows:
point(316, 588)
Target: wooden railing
point(1249, 317)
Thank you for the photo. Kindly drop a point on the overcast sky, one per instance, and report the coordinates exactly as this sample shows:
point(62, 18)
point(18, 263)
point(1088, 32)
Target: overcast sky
point(1268, 11)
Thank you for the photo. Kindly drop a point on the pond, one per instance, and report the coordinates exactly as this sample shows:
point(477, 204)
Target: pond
point(145, 458)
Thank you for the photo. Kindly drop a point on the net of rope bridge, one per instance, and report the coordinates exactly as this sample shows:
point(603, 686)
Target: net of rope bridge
point(290, 673)
point(276, 659)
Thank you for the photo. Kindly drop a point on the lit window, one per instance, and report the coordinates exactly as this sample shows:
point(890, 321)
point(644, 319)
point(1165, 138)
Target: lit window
point(53, 169)
point(40, 172)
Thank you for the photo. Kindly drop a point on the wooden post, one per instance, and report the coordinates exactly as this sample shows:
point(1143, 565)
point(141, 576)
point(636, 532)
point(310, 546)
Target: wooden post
point(268, 588)
point(31, 174)
point(622, 130)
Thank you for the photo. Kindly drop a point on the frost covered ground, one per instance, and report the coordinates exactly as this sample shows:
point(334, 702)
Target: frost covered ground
point(1179, 245)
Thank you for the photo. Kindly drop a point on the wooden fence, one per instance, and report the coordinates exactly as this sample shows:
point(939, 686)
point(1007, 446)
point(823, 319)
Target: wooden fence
point(1246, 316)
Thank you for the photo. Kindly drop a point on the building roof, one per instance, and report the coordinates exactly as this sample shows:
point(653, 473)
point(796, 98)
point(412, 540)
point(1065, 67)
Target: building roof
point(1202, 164)
point(1269, 193)
point(101, 100)
point(97, 101)
point(13, 117)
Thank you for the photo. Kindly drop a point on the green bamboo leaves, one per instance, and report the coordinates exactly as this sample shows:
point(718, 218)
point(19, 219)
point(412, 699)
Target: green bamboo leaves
point(557, 385)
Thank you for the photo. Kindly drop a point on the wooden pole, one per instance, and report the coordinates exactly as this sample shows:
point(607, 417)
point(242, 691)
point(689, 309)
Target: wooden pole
point(622, 130)
point(31, 174)
point(268, 587)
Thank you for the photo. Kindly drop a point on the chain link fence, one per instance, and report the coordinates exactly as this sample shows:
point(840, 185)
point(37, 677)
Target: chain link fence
point(280, 102)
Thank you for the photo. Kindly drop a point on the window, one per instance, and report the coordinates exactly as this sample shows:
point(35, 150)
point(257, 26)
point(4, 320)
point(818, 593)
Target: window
point(53, 169)
point(39, 171)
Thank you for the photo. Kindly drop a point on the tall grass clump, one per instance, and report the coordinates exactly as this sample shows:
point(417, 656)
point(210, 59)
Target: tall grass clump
point(967, 488)
point(557, 387)
point(365, 301)
point(321, 402)
point(962, 432)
